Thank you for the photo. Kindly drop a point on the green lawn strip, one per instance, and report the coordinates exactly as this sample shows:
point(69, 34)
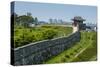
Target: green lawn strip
point(88, 55)
point(93, 58)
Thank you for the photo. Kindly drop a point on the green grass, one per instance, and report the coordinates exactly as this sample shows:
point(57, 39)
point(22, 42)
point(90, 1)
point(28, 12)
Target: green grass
point(89, 54)
point(85, 50)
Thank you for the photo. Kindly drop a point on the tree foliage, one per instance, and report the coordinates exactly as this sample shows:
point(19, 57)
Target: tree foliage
point(24, 20)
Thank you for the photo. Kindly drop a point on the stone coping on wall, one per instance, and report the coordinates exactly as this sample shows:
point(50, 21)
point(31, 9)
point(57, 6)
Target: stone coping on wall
point(41, 41)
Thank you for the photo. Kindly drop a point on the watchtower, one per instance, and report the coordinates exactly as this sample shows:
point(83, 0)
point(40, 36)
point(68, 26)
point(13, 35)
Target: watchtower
point(78, 24)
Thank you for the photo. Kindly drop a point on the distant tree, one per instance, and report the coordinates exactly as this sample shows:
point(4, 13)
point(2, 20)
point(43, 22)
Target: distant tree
point(25, 20)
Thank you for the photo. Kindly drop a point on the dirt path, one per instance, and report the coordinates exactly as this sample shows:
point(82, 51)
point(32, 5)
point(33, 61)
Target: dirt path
point(81, 51)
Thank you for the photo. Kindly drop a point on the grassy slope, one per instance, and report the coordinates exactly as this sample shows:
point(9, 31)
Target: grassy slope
point(85, 50)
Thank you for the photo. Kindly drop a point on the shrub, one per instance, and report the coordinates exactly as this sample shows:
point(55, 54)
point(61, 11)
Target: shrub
point(49, 34)
point(63, 60)
point(67, 56)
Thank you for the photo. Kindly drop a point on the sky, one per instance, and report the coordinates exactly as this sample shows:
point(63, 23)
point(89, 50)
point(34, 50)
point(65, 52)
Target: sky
point(45, 11)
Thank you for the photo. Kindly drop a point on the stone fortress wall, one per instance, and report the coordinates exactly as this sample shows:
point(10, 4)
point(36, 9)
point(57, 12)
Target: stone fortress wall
point(37, 53)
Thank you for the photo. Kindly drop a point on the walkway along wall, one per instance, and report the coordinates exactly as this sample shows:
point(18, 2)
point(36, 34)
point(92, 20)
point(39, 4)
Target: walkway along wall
point(36, 53)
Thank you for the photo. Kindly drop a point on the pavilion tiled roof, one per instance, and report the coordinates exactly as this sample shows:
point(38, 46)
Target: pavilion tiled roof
point(78, 18)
